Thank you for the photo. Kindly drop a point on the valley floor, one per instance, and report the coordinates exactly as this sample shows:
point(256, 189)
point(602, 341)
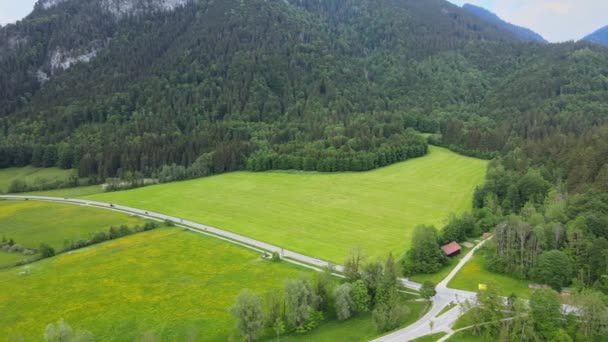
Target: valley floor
point(325, 215)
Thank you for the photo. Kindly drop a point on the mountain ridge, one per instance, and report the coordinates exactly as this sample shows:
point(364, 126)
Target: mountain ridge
point(523, 33)
point(599, 36)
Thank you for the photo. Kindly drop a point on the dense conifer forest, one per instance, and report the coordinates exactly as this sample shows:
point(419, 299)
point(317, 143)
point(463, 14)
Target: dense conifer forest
point(312, 85)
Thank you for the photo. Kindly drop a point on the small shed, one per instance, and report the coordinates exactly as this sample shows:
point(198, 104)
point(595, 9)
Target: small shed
point(451, 249)
point(486, 235)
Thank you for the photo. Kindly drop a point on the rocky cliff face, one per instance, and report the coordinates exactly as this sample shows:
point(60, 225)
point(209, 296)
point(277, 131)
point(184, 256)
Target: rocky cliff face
point(121, 8)
point(73, 46)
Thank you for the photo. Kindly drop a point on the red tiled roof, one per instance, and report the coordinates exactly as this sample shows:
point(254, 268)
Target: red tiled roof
point(451, 248)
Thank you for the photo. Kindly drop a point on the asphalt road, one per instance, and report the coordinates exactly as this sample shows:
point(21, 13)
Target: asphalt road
point(445, 296)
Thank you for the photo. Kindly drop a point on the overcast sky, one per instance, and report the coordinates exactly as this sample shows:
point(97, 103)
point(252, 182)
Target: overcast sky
point(13, 10)
point(556, 20)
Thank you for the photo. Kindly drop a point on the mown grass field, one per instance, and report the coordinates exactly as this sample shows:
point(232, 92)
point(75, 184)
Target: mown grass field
point(473, 273)
point(31, 223)
point(30, 174)
point(324, 215)
point(169, 282)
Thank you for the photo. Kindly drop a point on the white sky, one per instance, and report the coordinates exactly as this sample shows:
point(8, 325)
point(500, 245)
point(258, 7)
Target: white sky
point(13, 10)
point(556, 20)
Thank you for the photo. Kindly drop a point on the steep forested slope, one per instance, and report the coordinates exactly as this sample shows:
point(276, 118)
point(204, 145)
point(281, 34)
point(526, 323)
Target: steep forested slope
point(315, 85)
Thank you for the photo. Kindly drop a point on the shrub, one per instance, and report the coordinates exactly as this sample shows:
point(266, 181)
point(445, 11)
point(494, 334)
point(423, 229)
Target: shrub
point(16, 248)
point(276, 257)
point(150, 225)
point(46, 251)
point(124, 230)
point(99, 237)
point(17, 185)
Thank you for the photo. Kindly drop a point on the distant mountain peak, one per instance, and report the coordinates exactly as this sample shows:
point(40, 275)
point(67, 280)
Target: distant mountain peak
point(524, 34)
point(599, 37)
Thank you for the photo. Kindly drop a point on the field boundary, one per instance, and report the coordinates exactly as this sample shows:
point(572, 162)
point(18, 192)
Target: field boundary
point(258, 246)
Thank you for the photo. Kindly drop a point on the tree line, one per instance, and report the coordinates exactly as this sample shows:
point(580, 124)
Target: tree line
point(542, 318)
point(303, 304)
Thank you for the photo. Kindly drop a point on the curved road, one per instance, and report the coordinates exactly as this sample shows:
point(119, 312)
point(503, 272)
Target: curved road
point(442, 299)
point(444, 296)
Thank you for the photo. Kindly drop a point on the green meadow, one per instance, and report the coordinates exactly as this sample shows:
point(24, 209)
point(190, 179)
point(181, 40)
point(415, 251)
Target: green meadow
point(30, 174)
point(80, 191)
point(30, 223)
point(473, 273)
point(168, 282)
point(324, 215)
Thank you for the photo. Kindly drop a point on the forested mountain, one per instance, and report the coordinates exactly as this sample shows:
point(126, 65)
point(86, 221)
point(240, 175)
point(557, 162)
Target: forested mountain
point(599, 37)
point(119, 86)
point(525, 34)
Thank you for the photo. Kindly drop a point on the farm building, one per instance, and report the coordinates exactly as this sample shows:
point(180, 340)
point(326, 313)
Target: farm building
point(451, 249)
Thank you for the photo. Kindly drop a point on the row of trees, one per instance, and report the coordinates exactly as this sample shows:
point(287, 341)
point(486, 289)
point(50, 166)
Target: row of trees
point(41, 184)
point(302, 304)
point(47, 251)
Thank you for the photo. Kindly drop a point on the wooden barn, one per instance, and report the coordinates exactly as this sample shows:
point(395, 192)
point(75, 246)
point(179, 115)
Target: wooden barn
point(451, 249)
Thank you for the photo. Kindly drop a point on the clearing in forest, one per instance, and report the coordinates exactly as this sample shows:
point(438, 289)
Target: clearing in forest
point(323, 215)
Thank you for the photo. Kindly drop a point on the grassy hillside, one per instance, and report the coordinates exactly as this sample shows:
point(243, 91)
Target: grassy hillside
point(324, 215)
point(168, 282)
point(31, 223)
point(30, 174)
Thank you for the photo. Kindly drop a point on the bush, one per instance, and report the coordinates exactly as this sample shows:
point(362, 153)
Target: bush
point(16, 248)
point(276, 257)
point(124, 230)
point(99, 237)
point(17, 185)
point(150, 225)
point(46, 251)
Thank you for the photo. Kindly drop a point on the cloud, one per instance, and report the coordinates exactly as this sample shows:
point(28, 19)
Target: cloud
point(556, 20)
